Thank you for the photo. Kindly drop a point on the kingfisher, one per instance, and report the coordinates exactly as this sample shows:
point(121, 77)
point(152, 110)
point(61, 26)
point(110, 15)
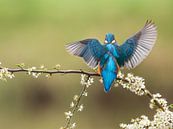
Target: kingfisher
point(110, 57)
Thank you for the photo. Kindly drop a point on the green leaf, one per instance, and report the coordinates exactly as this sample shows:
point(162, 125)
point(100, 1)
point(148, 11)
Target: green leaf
point(22, 65)
point(171, 106)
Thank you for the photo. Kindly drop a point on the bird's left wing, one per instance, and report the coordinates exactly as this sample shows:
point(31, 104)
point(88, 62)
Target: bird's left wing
point(90, 49)
point(136, 48)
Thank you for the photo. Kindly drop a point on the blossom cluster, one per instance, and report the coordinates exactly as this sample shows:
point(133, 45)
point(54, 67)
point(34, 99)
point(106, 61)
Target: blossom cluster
point(85, 81)
point(34, 74)
point(161, 120)
point(72, 126)
point(133, 83)
point(4, 73)
point(33, 71)
point(37, 71)
point(162, 101)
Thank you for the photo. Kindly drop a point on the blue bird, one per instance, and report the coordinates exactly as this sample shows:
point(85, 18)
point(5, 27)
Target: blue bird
point(110, 57)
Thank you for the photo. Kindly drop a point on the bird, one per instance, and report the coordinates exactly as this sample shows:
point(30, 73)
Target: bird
point(108, 58)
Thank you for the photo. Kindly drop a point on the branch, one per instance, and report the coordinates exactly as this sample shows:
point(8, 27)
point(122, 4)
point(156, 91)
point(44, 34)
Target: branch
point(57, 71)
point(148, 94)
point(17, 70)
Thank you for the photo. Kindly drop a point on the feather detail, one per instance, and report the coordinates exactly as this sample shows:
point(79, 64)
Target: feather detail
point(108, 72)
point(137, 48)
point(89, 49)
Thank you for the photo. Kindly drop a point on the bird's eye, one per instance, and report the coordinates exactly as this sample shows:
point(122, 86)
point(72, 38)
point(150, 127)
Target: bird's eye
point(113, 41)
point(106, 41)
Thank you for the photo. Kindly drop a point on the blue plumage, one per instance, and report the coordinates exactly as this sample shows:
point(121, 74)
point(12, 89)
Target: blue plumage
point(90, 49)
point(110, 56)
point(109, 72)
point(108, 65)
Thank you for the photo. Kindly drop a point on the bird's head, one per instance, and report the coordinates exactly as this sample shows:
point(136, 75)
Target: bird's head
point(109, 38)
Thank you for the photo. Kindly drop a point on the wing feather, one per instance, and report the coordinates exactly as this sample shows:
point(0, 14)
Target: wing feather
point(90, 49)
point(136, 48)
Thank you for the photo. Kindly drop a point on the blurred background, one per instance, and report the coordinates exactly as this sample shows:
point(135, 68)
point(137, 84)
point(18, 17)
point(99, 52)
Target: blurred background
point(34, 32)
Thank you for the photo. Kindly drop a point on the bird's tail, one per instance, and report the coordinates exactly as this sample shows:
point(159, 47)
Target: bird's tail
point(108, 78)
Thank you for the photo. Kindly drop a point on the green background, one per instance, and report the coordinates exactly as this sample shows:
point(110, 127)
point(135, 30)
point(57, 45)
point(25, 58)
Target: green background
point(35, 32)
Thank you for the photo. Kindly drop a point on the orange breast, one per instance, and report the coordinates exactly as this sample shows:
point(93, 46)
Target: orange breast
point(99, 69)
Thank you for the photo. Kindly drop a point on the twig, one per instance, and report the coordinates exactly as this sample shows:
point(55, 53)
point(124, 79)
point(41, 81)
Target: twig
point(77, 103)
point(150, 95)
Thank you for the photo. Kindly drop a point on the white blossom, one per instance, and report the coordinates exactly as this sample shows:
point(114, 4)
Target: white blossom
point(81, 108)
point(48, 76)
point(133, 83)
point(85, 93)
point(83, 82)
point(72, 126)
point(30, 70)
point(88, 82)
point(57, 66)
point(4, 73)
point(72, 105)
point(139, 123)
point(68, 114)
point(161, 101)
point(76, 97)
point(162, 120)
point(42, 67)
point(36, 75)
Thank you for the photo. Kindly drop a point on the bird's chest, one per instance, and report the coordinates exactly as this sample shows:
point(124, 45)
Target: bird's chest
point(112, 49)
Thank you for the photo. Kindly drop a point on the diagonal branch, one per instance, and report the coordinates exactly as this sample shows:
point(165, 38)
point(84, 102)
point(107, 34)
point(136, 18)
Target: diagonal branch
point(77, 103)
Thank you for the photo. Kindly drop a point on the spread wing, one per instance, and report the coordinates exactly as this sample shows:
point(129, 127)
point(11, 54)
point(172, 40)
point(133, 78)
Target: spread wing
point(135, 49)
point(90, 49)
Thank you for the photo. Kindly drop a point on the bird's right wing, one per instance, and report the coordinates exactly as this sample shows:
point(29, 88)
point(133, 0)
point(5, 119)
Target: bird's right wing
point(90, 49)
point(136, 48)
